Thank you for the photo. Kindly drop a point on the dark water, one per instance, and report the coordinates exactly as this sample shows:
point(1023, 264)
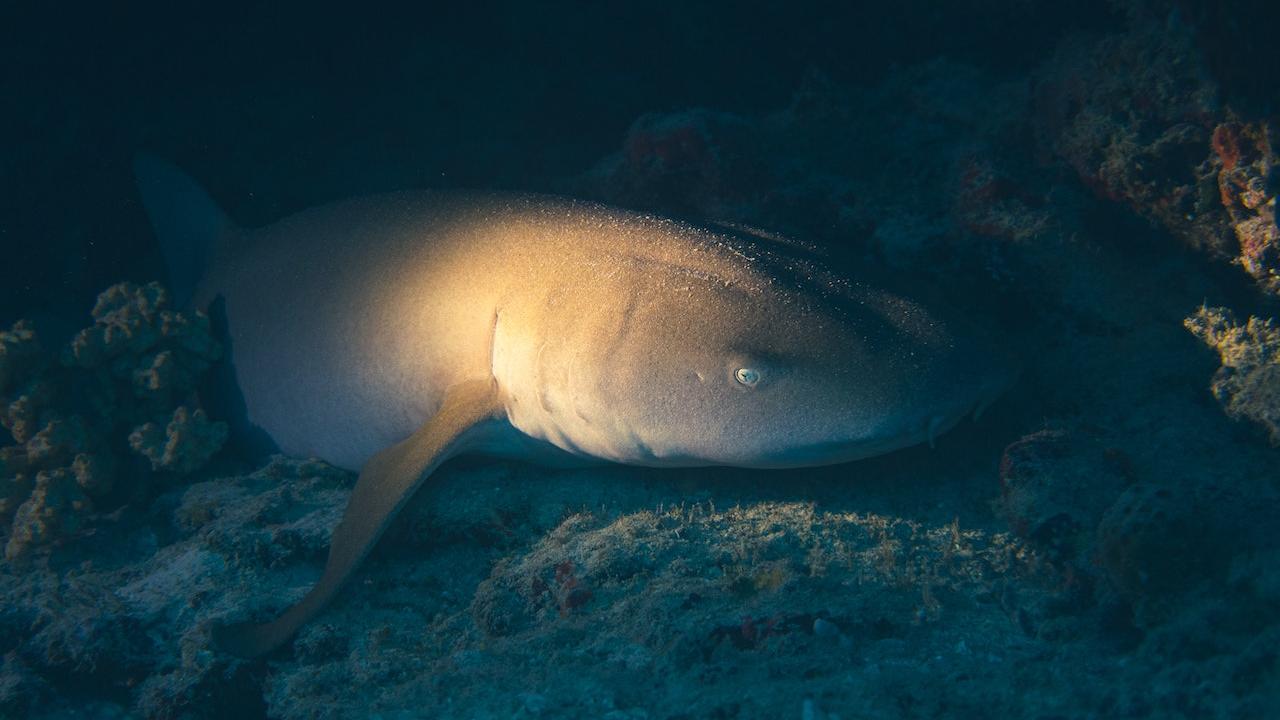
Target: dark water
point(1081, 178)
point(276, 108)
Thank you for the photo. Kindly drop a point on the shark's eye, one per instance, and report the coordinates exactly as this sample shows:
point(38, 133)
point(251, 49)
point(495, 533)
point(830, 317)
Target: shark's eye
point(747, 376)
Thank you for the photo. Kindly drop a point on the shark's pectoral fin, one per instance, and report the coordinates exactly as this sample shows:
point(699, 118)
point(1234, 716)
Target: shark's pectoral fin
point(386, 483)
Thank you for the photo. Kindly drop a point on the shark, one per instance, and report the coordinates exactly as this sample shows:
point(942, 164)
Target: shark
point(390, 333)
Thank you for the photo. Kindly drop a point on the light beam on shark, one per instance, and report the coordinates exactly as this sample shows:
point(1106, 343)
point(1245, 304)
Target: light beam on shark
point(391, 333)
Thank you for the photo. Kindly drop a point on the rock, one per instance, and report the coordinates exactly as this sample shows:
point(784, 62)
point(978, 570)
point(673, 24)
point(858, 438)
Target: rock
point(825, 628)
point(22, 691)
point(1157, 543)
point(1055, 487)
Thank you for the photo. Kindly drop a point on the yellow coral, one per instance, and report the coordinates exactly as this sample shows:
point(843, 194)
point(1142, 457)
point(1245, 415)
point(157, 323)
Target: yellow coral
point(1248, 383)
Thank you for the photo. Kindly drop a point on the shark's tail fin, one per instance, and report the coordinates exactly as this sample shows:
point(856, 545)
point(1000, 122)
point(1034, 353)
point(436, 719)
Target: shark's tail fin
point(191, 228)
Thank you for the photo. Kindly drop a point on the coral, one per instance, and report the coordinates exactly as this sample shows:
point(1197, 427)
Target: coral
point(1142, 137)
point(184, 445)
point(1158, 141)
point(1248, 184)
point(72, 415)
point(146, 357)
point(56, 507)
point(186, 691)
point(1248, 383)
point(124, 322)
point(568, 591)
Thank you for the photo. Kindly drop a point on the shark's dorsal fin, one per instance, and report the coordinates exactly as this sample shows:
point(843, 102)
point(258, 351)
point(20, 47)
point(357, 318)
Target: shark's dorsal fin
point(386, 483)
point(192, 229)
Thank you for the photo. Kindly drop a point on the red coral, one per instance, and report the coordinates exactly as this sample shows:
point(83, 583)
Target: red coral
point(1226, 144)
point(1247, 186)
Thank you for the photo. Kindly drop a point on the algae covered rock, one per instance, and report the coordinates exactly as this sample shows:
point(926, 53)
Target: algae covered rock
point(1248, 383)
point(73, 415)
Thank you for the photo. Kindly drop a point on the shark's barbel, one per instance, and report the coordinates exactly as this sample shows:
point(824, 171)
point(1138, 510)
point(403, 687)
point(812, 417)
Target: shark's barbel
point(391, 333)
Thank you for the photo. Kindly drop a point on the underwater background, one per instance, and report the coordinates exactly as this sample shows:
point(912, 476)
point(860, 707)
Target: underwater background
point(1093, 181)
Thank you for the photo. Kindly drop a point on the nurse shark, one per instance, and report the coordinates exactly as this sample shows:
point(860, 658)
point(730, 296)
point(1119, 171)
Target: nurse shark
point(388, 334)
